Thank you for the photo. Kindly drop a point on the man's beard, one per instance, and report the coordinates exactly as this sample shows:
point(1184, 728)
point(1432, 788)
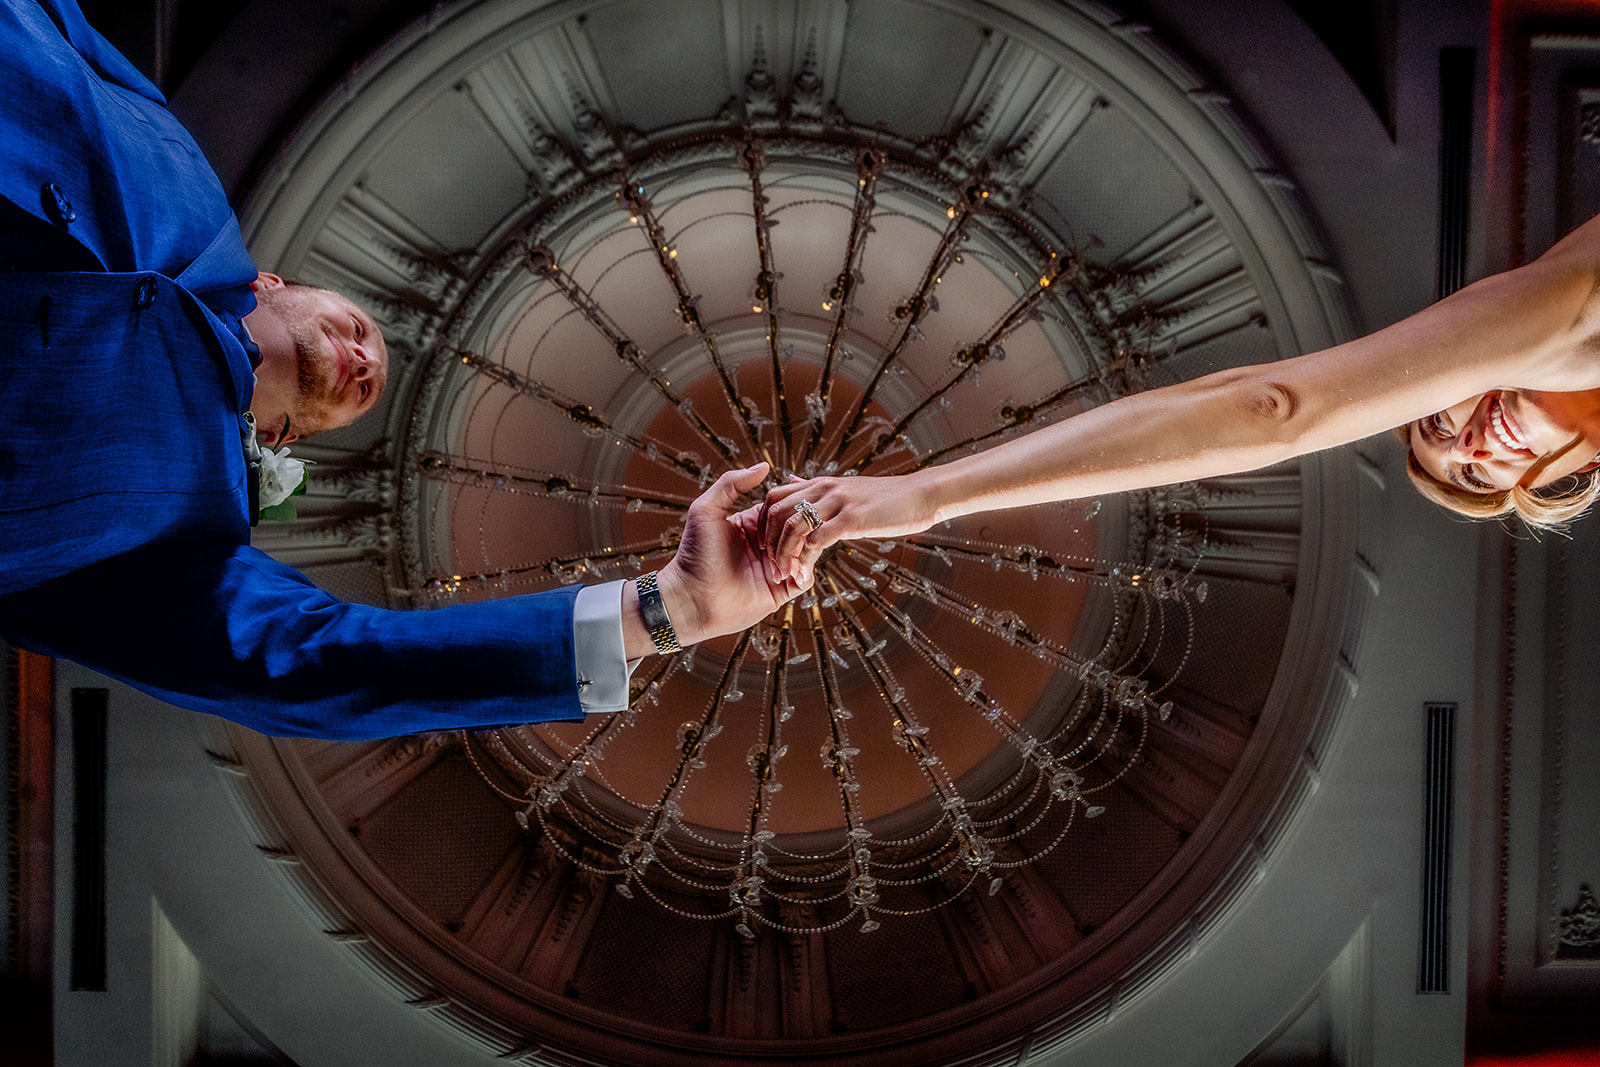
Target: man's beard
point(314, 369)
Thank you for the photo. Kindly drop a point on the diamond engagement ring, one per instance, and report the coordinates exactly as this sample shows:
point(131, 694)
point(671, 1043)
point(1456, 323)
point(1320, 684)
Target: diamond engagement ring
point(808, 511)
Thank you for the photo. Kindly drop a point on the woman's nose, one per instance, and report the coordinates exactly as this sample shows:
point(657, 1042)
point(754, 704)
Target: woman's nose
point(1468, 445)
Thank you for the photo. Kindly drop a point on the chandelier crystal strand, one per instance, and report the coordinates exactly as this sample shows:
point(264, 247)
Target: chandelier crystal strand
point(545, 791)
point(762, 759)
point(1064, 780)
point(1012, 418)
point(1107, 303)
point(506, 478)
point(441, 588)
point(640, 851)
point(764, 298)
point(912, 735)
point(908, 315)
point(548, 789)
point(542, 264)
point(968, 362)
point(839, 299)
point(903, 580)
point(1061, 777)
point(593, 423)
point(838, 756)
point(633, 200)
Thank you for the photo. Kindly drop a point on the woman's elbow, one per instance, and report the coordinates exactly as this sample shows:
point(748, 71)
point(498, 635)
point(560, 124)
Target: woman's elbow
point(1272, 403)
point(1267, 414)
point(1262, 405)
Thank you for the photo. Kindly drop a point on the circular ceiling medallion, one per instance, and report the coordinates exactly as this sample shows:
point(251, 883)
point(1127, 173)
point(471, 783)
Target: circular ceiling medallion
point(981, 783)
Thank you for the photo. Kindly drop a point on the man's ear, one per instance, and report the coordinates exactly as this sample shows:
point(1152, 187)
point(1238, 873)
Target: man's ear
point(266, 281)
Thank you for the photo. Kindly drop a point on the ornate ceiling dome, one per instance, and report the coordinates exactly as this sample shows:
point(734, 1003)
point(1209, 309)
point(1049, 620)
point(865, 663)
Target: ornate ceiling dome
point(982, 785)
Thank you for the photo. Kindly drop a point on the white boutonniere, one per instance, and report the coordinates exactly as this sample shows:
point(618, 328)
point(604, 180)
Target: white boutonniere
point(281, 477)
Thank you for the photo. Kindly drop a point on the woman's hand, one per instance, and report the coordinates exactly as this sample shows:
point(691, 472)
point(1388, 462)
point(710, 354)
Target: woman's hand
point(846, 508)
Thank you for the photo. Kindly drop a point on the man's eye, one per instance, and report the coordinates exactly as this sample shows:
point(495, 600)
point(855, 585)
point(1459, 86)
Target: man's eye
point(357, 324)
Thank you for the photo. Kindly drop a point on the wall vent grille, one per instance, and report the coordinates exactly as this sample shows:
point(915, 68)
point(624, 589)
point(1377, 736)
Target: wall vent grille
point(1433, 955)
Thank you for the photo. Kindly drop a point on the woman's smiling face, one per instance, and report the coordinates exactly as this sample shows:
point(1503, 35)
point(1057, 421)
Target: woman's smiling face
point(1492, 442)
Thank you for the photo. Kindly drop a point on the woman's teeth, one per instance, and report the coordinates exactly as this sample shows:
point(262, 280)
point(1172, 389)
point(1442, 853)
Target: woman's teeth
point(1497, 422)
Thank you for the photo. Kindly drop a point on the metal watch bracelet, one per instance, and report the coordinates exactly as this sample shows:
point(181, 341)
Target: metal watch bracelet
point(656, 619)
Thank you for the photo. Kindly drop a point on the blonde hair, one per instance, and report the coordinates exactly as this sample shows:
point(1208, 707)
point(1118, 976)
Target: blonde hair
point(1548, 507)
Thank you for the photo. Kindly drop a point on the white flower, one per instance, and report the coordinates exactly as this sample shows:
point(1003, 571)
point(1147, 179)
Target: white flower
point(280, 476)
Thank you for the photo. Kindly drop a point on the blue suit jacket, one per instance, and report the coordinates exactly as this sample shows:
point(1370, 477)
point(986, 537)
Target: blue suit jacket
point(123, 502)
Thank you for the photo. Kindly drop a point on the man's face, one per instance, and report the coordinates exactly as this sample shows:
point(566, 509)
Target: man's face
point(323, 360)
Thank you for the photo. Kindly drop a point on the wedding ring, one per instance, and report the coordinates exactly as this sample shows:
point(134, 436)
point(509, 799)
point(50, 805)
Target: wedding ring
point(808, 512)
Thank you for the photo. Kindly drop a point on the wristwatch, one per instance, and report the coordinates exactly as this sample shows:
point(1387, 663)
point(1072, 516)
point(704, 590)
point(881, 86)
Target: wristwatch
point(656, 619)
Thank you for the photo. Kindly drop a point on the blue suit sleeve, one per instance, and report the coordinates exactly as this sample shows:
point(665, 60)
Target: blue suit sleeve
point(242, 636)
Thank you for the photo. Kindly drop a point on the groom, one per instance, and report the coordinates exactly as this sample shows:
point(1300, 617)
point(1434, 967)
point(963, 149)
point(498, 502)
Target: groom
point(140, 349)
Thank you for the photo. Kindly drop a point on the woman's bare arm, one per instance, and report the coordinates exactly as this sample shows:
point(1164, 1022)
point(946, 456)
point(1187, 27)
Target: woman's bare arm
point(1530, 327)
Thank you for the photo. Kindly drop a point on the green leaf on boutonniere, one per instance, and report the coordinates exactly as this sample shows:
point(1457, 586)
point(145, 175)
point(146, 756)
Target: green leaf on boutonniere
point(284, 511)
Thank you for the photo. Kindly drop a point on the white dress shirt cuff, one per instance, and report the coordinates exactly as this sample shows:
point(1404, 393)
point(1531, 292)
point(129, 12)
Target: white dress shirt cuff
point(603, 668)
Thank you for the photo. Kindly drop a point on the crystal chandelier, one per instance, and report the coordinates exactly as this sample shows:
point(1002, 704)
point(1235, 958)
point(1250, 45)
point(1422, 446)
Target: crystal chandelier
point(939, 710)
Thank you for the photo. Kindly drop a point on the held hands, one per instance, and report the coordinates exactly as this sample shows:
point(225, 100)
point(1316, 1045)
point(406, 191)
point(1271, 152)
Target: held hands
point(718, 582)
point(732, 570)
point(793, 537)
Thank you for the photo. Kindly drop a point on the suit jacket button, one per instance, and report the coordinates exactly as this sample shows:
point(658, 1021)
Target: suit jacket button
point(145, 295)
point(56, 204)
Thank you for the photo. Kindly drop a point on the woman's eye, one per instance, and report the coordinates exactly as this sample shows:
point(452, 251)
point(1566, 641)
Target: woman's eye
point(1435, 427)
point(1468, 476)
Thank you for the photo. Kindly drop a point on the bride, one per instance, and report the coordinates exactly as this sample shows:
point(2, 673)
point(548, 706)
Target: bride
point(1495, 390)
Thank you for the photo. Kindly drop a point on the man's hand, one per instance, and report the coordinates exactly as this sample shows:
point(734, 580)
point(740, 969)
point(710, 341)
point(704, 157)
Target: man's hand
point(717, 582)
point(845, 508)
